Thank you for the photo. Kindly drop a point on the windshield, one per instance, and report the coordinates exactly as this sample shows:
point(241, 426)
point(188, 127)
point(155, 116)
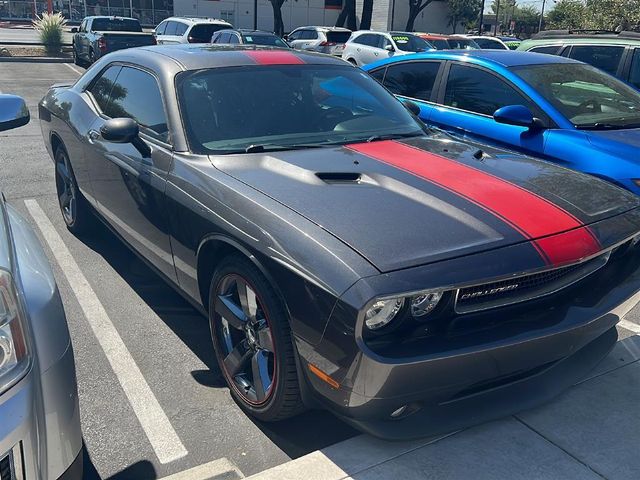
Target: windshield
point(410, 43)
point(238, 109)
point(596, 100)
point(116, 25)
point(440, 43)
point(270, 40)
point(338, 37)
point(202, 32)
point(462, 43)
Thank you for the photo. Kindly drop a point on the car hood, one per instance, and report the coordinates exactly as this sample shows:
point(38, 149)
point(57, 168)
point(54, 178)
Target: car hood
point(624, 139)
point(408, 203)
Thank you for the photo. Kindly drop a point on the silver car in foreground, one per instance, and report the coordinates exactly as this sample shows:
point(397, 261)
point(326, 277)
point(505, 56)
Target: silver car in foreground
point(40, 435)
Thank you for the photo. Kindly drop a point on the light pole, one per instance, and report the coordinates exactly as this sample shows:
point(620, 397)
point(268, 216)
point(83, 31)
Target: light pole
point(481, 18)
point(255, 14)
point(495, 30)
point(541, 15)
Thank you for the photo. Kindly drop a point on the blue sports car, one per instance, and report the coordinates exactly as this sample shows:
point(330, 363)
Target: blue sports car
point(542, 105)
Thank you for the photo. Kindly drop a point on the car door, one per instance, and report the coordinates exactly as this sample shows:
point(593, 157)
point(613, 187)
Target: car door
point(128, 187)
point(169, 36)
point(180, 36)
point(82, 41)
point(159, 32)
point(295, 39)
point(368, 45)
point(413, 80)
point(468, 100)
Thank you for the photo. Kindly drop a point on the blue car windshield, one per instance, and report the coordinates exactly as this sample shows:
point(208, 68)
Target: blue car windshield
point(236, 109)
point(588, 97)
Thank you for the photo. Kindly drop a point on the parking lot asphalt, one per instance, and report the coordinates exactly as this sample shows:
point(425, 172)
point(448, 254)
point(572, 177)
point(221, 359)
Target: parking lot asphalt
point(166, 338)
point(594, 427)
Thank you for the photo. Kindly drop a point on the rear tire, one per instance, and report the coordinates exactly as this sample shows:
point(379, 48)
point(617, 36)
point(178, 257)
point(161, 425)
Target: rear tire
point(76, 59)
point(76, 211)
point(92, 57)
point(259, 337)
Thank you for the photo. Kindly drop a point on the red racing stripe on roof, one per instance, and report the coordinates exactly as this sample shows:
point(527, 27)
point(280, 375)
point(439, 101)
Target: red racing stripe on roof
point(273, 57)
point(536, 218)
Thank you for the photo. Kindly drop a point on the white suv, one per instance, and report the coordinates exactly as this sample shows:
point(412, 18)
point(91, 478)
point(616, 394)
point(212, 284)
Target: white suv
point(366, 46)
point(188, 30)
point(329, 40)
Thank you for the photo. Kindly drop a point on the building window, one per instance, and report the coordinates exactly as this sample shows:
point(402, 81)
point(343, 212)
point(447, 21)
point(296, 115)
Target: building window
point(333, 4)
point(227, 16)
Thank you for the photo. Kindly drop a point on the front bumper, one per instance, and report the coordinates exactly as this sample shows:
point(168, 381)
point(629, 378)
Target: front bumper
point(532, 353)
point(40, 422)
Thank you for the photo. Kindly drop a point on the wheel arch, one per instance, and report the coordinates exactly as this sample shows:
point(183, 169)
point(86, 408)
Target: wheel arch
point(56, 142)
point(212, 250)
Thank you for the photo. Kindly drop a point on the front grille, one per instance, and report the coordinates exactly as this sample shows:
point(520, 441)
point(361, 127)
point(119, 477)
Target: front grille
point(523, 288)
point(5, 468)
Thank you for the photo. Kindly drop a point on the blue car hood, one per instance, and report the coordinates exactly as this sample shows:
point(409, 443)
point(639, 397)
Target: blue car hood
point(624, 141)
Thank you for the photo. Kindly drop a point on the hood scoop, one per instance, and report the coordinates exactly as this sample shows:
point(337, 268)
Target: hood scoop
point(340, 177)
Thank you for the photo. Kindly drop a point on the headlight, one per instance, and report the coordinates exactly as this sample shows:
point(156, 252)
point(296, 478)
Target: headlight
point(383, 311)
point(14, 358)
point(424, 304)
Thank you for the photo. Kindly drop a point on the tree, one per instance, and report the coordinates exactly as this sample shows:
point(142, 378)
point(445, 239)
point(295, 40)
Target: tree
point(278, 24)
point(463, 11)
point(415, 7)
point(367, 13)
point(567, 14)
point(348, 15)
point(612, 14)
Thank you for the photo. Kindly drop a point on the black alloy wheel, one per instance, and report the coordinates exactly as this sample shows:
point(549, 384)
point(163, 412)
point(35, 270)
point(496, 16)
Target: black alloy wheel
point(75, 209)
point(252, 340)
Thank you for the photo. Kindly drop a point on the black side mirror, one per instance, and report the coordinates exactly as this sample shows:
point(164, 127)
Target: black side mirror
point(13, 112)
point(413, 107)
point(74, 29)
point(125, 130)
point(518, 115)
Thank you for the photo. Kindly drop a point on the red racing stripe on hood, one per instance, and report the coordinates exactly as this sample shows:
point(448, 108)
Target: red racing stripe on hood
point(536, 218)
point(273, 57)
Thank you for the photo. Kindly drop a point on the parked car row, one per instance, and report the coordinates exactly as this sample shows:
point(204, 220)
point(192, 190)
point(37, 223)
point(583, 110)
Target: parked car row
point(483, 282)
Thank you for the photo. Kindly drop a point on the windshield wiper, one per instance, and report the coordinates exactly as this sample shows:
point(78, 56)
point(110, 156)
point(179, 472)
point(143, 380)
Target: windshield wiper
point(395, 136)
point(606, 126)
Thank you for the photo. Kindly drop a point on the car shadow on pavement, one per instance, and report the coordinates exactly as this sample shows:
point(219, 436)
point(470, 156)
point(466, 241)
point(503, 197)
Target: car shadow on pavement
point(297, 436)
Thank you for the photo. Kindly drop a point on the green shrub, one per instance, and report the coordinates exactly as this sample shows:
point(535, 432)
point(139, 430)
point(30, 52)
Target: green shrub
point(50, 28)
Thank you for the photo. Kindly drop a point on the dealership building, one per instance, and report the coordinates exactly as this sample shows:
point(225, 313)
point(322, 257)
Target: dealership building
point(387, 15)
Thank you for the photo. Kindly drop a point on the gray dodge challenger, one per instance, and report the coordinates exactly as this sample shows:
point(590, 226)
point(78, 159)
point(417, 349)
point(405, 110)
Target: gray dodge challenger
point(346, 255)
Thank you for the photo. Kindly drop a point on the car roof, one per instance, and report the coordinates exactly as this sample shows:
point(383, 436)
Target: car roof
point(579, 33)
point(198, 20)
point(192, 56)
point(250, 31)
point(323, 29)
point(504, 58)
point(110, 17)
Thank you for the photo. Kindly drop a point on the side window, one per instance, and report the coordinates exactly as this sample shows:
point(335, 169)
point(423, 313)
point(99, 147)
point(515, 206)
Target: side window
point(378, 74)
point(171, 28)
point(383, 41)
point(181, 28)
point(100, 89)
point(605, 58)
point(295, 35)
point(548, 49)
point(366, 39)
point(312, 35)
point(223, 38)
point(233, 38)
point(478, 91)
point(161, 28)
point(634, 73)
point(413, 79)
point(136, 95)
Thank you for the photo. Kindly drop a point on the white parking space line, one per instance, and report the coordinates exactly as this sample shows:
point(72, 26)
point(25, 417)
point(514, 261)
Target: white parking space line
point(627, 325)
point(221, 468)
point(154, 422)
point(73, 68)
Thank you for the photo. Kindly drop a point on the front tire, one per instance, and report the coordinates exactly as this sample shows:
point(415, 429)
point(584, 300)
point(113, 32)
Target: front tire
point(76, 211)
point(252, 341)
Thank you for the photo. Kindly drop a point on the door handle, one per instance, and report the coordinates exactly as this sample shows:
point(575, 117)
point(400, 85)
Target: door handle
point(94, 135)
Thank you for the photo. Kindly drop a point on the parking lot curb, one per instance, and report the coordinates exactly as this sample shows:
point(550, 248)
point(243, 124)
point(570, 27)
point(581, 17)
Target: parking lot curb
point(36, 59)
point(345, 459)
